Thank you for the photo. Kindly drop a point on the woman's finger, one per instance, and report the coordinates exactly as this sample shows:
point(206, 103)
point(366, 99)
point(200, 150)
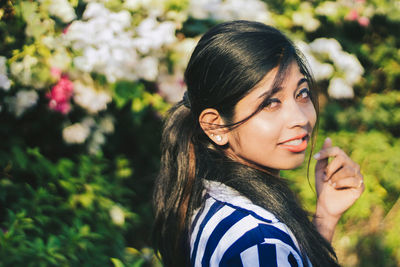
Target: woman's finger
point(323, 162)
point(345, 171)
point(334, 166)
point(346, 183)
point(329, 152)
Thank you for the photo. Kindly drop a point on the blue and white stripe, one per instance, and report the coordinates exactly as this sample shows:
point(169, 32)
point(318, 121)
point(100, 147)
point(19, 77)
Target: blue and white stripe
point(231, 231)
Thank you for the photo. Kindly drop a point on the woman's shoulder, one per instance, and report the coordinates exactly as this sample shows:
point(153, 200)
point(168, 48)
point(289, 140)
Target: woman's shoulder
point(230, 228)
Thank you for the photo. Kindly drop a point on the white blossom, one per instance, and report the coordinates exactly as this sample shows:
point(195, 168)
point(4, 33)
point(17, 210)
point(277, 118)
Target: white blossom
point(5, 83)
point(328, 8)
point(94, 10)
point(302, 19)
point(179, 17)
point(153, 35)
point(76, 133)
point(63, 10)
point(345, 62)
point(96, 141)
point(321, 70)
point(350, 66)
point(22, 70)
point(106, 42)
point(89, 98)
point(106, 124)
point(88, 122)
point(155, 6)
point(202, 9)
point(49, 41)
point(95, 1)
point(348, 70)
point(326, 46)
point(80, 34)
point(134, 4)
point(60, 59)
point(23, 100)
point(89, 130)
point(230, 10)
point(117, 215)
point(339, 88)
point(243, 9)
point(148, 68)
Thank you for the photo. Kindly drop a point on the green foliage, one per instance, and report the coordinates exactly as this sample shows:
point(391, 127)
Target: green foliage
point(374, 112)
point(127, 91)
point(50, 208)
point(60, 214)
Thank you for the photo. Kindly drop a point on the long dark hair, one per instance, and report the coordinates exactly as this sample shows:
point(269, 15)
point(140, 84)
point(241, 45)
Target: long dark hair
point(227, 63)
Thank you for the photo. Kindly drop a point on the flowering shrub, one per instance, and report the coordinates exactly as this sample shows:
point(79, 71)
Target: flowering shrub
point(84, 85)
point(343, 74)
point(60, 95)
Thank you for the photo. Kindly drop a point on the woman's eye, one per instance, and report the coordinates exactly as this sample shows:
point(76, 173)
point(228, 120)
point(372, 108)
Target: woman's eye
point(304, 94)
point(272, 103)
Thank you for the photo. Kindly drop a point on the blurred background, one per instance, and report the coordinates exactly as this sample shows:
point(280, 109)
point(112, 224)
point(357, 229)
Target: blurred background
point(84, 86)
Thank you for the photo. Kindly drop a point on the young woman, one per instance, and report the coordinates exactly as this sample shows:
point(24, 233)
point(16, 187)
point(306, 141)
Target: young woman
point(249, 112)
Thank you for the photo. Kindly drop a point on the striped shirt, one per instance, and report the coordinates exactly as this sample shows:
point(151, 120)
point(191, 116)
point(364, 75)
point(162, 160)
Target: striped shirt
point(229, 230)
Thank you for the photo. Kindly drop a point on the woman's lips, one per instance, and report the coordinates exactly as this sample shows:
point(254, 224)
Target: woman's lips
point(297, 144)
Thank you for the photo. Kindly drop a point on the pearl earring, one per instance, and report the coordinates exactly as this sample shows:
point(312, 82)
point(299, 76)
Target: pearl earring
point(218, 138)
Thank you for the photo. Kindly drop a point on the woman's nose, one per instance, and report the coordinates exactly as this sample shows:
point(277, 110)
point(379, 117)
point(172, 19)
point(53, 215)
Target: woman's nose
point(296, 115)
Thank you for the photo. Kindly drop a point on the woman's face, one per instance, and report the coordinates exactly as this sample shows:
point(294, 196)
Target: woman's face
point(278, 135)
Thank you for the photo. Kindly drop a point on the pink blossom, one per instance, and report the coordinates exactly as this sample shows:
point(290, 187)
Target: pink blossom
point(353, 15)
point(363, 21)
point(62, 107)
point(60, 95)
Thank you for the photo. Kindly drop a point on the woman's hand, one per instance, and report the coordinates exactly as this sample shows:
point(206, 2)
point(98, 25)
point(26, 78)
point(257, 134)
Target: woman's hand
point(339, 184)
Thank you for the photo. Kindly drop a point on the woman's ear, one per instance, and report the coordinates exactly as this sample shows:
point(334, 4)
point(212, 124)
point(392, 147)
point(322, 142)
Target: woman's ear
point(212, 125)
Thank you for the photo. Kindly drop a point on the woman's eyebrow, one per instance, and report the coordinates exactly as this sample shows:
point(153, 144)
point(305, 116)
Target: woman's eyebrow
point(302, 80)
point(275, 90)
point(270, 93)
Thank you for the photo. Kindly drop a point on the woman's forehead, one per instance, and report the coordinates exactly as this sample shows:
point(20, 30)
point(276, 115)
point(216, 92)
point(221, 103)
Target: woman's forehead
point(273, 79)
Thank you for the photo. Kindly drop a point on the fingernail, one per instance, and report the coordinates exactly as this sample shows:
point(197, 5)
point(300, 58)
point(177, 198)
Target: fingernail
point(316, 156)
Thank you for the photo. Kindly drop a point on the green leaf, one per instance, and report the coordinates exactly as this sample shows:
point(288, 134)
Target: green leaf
point(117, 262)
point(20, 157)
point(139, 263)
point(125, 91)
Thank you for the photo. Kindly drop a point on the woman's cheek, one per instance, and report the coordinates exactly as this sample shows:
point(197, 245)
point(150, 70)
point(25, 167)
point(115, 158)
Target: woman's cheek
point(313, 116)
point(309, 109)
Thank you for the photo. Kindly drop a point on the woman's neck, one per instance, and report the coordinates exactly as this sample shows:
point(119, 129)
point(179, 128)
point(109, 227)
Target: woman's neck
point(274, 172)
